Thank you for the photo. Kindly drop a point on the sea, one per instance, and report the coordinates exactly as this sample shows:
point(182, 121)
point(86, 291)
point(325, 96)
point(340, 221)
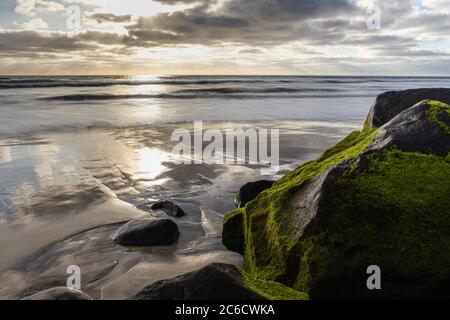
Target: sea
point(35, 104)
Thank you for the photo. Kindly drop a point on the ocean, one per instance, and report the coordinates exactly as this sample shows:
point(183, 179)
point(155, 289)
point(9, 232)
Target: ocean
point(81, 155)
point(35, 104)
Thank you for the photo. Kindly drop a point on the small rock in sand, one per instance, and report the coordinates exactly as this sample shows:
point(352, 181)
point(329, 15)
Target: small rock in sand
point(216, 281)
point(147, 232)
point(168, 207)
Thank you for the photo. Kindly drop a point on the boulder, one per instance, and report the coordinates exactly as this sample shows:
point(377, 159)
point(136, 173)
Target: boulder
point(390, 104)
point(376, 198)
point(148, 232)
point(233, 231)
point(59, 293)
point(168, 207)
point(216, 281)
point(250, 191)
point(417, 129)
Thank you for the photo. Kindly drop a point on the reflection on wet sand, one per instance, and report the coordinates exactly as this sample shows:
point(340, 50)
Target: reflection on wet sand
point(5, 155)
point(70, 192)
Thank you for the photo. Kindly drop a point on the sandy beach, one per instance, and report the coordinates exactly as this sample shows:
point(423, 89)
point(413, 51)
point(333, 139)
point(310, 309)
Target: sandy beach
point(76, 188)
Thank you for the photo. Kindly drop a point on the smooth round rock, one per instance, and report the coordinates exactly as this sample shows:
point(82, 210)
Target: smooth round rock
point(216, 281)
point(147, 233)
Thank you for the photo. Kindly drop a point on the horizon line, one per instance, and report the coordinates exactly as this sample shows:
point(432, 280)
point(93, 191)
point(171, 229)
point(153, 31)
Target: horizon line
point(221, 75)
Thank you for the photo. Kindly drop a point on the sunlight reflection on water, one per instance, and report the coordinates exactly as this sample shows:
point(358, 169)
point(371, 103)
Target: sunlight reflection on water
point(151, 162)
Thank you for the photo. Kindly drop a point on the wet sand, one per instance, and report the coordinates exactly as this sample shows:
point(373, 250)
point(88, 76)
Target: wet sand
point(64, 194)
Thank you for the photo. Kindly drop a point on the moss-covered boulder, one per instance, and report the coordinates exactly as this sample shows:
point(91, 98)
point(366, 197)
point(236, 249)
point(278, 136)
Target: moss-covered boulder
point(376, 198)
point(391, 103)
point(422, 128)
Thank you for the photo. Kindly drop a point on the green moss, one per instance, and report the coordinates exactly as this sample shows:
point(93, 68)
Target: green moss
point(347, 149)
point(392, 212)
point(272, 290)
point(266, 241)
point(439, 111)
point(352, 139)
point(387, 211)
point(367, 124)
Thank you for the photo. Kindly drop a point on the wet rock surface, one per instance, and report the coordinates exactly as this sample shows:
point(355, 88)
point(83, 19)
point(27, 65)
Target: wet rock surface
point(390, 104)
point(377, 198)
point(168, 207)
point(413, 131)
point(251, 190)
point(216, 281)
point(148, 232)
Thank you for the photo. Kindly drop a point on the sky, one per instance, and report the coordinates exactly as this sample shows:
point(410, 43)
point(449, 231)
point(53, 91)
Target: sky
point(226, 37)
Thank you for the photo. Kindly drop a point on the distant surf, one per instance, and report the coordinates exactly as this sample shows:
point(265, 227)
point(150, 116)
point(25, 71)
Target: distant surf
point(30, 104)
point(107, 81)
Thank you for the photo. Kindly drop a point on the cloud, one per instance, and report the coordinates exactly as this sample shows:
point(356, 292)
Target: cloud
point(32, 41)
point(25, 6)
point(437, 4)
point(34, 24)
point(274, 22)
point(283, 10)
point(30, 7)
point(83, 2)
point(257, 22)
point(109, 17)
point(174, 2)
point(275, 33)
point(250, 51)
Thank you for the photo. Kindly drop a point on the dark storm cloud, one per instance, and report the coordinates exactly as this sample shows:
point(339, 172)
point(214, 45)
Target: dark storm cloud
point(253, 24)
point(270, 10)
point(241, 22)
point(32, 41)
point(29, 41)
point(192, 26)
point(109, 17)
point(103, 38)
point(250, 22)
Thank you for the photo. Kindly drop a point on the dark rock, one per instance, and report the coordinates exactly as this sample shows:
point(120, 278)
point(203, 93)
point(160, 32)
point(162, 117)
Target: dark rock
point(233, 233)
point(169, 207)
point(216, 281)
point(413, 131)
point(59, 293)
point(390, 104)
point(251, 190)
point(147, 233)
point(378, 199)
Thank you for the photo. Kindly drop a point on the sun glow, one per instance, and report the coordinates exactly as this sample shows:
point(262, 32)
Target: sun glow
point(151, 161)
